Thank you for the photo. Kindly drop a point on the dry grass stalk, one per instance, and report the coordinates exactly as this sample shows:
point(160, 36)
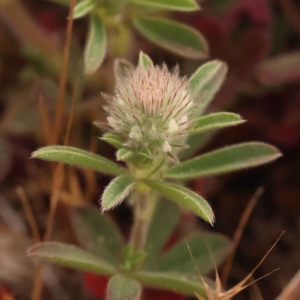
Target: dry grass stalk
point(239, 233)
point(219, 293)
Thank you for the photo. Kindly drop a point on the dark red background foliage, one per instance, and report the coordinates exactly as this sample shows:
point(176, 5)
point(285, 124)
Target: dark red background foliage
point(243, 33)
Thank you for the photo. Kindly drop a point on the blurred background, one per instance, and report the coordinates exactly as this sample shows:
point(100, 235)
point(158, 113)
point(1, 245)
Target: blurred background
point(258, 39)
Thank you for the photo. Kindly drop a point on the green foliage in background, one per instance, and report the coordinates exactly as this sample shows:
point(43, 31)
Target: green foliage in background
point(118, 17)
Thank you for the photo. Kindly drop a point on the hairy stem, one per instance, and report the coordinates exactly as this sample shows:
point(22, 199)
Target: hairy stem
point(144, 201)
point(143, 209)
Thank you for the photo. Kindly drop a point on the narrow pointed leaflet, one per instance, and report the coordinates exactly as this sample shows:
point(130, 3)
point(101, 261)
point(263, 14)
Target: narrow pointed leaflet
point(173, 36)
point(184, 197)
point(80, 158)
point(70, 256)
point(228, 159)
point(116, 191)
point(215, 121)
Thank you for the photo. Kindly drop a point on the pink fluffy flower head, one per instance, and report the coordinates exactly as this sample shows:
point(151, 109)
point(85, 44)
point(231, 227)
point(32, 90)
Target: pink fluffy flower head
point(151, 108)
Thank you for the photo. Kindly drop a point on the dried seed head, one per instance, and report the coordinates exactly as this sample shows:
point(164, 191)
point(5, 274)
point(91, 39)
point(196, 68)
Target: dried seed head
point(151, 108)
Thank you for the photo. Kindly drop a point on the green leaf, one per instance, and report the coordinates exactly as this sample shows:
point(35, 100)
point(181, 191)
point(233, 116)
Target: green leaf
point(83, 8)
point(173, 36)
point(124, 154)
point(184, 197)
point(215, 121)
point(206, 82)
point(70, 256)
point(123, 288)
point(116, 191)
point(202, 246)
point(113, 140)
point(96, 45)
point(144, 60)
point(80, 158)
point(184, 283)
point(121, 68)
point(98, 233)
point(180, 5)
point(165, 217)
point(225, 160)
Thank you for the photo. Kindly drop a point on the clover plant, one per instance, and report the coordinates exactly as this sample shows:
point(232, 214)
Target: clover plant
point(155, 120)
point(150, 117)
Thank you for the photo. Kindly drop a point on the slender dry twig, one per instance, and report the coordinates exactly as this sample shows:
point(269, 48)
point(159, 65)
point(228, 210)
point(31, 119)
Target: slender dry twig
point(37, 282)
point(241, 286)
point(56, 186)
point(218, 294)
point(64, 73)
point(256, 292)
point(58, 173)
point(29, 214)
point(208, 291)
point(239, 233)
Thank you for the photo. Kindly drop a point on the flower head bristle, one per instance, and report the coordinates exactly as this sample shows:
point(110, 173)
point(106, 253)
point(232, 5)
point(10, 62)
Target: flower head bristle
point(151, 108)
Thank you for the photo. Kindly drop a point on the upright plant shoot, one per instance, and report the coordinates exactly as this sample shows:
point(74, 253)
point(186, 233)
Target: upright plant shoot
point(150, 116)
